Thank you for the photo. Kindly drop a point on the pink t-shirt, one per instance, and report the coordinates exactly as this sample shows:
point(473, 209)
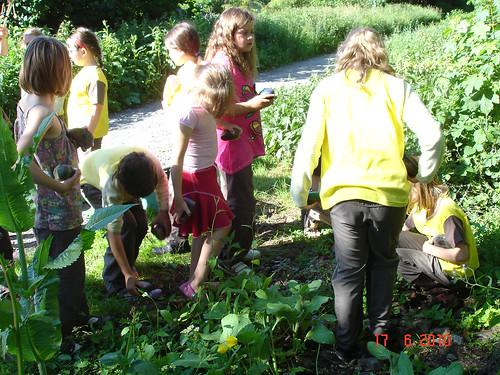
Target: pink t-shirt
point(202, 147)
point(235, 155)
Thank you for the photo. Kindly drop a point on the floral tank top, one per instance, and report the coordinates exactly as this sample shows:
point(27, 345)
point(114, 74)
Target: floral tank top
point(54, 211)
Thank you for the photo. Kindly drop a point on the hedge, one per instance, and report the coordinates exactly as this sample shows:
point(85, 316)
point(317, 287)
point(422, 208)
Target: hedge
point(136, 63)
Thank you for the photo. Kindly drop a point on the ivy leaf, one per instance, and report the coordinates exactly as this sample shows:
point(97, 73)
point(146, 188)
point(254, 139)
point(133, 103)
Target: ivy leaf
point(473, 83)
point(485, 105)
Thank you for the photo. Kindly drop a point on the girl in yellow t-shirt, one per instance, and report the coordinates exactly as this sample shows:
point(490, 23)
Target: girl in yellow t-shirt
point(444, 246)
point(183, 45)
point(88, 97)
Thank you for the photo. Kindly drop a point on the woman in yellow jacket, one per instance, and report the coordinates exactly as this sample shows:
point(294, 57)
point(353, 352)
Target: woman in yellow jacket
point(356, 123)
point(444, 247)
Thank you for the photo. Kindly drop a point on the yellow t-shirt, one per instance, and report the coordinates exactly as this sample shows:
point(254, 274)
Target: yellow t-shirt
point(178, 86)
point(88, 88)
point(358, 129)
point(434, 226)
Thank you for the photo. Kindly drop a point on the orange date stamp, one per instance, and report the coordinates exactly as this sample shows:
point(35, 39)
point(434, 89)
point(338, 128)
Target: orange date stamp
point(421, 339)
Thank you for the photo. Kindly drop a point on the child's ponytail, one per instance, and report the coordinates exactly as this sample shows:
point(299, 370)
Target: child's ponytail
point(86, 38)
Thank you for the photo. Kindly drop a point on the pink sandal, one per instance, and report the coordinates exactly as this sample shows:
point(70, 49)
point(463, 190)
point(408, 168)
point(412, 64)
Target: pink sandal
point(187, 290)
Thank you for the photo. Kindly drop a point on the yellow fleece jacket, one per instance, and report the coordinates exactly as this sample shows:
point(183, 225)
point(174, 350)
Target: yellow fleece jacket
point(358, 129)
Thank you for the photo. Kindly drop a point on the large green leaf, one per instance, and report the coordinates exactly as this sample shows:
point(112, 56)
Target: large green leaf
point(191, 360)
point(40, 338)
point(46, 296)
point(321, 334)
point(104, 216)
point(4, 335)
point(404, 364)
point(232, 324)
point(6, 314)
point(88, 237)
point(378, 351)
point(453, 369)
point(15, 213)
point(41, 257)
point(316, 303)
point(140, 367)
point(68, 256)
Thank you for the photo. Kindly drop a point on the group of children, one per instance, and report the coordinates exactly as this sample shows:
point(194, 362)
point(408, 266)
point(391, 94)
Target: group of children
point(355, 123)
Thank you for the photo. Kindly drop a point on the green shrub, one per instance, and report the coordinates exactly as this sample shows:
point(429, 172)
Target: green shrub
point(283, 120)
point(136, 64)
point(288, 35)
point(456, 70)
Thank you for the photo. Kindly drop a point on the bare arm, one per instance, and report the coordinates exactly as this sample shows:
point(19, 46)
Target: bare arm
point(256, 103)
point(116, 245)
point(458, 254)
point(4, 47)
point(25, 142)
point(180, 206)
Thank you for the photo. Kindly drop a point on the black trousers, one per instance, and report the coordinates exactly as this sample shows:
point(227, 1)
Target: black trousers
point(365, 238)
point(134, 229)
point(6, 249)
point(73, 308)
point(415, 265)
point(239, 190)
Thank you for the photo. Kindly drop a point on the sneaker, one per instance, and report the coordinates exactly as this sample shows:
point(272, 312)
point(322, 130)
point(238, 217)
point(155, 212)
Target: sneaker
point(252, 254)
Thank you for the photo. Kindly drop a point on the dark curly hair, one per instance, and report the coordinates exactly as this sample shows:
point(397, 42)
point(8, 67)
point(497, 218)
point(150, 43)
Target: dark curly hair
point(136, 174)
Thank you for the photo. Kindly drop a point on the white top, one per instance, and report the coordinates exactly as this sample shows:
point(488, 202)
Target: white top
point(202, 147)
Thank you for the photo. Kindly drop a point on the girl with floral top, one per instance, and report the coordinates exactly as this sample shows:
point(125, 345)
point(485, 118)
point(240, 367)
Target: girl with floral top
point(46, 73)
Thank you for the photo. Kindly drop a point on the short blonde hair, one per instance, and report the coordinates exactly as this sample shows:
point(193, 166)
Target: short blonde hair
point(222, 39)
point(362, 50)
point(425, 196)
point(214, 88)
point(46, 67)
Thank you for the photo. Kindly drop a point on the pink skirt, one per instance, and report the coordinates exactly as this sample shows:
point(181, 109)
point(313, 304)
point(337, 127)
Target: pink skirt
point(211, 211)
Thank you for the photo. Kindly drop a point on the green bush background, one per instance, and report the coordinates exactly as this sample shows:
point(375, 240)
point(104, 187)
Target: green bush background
point(455, 68)
point(136, 64)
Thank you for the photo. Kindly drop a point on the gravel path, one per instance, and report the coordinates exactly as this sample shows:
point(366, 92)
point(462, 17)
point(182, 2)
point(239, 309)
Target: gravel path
point(146, 126)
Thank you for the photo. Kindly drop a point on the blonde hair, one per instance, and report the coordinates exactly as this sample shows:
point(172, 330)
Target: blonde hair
point(222, 39)
point(185, 38)
point(214, 88)
point(46, 67)
point(362, 50)
point(425, 196)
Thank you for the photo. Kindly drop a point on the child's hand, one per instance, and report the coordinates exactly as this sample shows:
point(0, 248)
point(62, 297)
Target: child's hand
point(163, 219)
point(261, 101)
point(180, 207)
point(131, 284)
point(68, 184)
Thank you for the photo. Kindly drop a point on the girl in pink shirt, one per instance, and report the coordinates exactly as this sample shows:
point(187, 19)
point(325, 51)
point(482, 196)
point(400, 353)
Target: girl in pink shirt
point(232, 44)
point(194, 175)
